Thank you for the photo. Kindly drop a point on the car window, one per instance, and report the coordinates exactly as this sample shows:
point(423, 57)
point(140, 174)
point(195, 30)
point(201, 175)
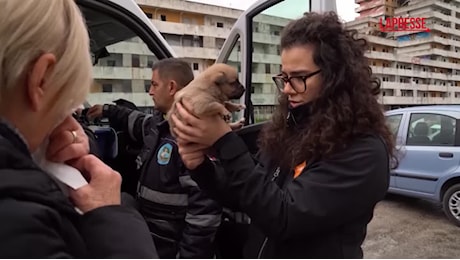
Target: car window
point(122, 61)
point(266, 60)
point(428, 129)
point(393, 122)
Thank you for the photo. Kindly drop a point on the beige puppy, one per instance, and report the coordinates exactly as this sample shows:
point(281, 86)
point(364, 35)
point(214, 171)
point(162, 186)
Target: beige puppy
point(209, 94)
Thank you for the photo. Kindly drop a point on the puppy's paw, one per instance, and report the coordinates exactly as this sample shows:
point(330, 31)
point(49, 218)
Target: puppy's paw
point(227, 117)
point(241, 107)
point(237, 125)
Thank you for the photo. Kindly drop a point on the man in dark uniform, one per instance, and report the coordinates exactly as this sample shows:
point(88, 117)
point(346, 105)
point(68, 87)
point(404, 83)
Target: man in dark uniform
point(182, 219)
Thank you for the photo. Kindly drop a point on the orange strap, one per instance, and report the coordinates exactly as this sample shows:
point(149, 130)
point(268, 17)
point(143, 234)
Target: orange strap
point(299, 168)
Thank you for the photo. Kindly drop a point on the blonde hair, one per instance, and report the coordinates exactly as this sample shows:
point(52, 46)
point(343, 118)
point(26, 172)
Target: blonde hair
point(30, 28)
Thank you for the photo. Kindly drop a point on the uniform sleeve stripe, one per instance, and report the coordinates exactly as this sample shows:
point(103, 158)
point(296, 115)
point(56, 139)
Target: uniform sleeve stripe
point(131, 121)
point(170, 199)
point(203, 220)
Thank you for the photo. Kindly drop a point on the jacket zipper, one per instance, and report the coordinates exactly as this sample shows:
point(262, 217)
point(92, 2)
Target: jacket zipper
point(261, 250)
point(276, 174)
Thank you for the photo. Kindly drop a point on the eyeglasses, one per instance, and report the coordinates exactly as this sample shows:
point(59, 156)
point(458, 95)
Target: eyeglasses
point(298, 83)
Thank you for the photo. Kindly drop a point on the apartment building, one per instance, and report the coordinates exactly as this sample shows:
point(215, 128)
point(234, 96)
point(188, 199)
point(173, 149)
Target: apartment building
point(196, 33)
point(415, 67)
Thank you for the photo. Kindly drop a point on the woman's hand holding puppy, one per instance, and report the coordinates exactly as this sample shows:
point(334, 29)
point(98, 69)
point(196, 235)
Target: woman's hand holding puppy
point(195, 135)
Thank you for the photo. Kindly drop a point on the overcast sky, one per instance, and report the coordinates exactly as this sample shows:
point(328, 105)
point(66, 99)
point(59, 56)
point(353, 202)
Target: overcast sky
point(346, 8)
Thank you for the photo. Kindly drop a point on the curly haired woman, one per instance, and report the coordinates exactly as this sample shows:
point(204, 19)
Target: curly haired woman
point(325, 155)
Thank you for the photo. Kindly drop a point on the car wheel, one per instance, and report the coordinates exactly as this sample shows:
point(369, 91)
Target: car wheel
point(451, 204)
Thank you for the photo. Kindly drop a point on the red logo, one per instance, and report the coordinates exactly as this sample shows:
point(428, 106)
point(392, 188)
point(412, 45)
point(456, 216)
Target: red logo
point(406, 24)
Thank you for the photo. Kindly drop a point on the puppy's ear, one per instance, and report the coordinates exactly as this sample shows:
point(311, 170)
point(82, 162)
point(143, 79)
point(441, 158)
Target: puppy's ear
point(219, 78)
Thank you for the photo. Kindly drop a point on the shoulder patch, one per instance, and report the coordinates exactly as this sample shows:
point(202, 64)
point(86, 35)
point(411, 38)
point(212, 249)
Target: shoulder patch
point(164, 154)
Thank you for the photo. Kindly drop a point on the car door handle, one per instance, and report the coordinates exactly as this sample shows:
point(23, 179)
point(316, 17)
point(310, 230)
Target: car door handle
point(446, 155)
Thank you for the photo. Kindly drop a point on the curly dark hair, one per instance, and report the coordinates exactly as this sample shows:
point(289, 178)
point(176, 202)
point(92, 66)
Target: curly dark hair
point(347, 105)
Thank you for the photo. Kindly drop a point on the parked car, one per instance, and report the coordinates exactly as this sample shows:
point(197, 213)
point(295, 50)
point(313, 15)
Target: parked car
point(428, 143)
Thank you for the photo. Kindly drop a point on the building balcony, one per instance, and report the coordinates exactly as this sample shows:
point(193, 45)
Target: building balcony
point(266, 38)
point(258, 58)
point(435, 51)
point(414, 86)
point(413, 49)
point(381, 40)
point(408, 57)
point(129, 47)
point(264, 99)
point(196, 52)
point(413, 73)
point(447, 30)
point(140, 99)
point(266, 58)
point(400, 100)
point(436, 39)
point(191, 29)
point(191, 7)
point(380, 55)
point(421, 4)
point(263, 78)
point(128, 73)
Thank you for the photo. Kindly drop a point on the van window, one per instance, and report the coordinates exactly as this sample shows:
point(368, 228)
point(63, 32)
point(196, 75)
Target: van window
point(122, 60)
point(266, 59)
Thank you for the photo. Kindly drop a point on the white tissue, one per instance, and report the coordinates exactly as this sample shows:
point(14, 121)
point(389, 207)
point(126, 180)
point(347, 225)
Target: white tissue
point(65, 174)
point(60, 171)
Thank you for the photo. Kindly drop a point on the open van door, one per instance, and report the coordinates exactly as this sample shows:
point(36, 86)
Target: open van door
point(124, 44)
point(253, 46)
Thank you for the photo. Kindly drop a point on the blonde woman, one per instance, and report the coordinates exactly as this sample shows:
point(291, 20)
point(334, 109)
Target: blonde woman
point(45, 72)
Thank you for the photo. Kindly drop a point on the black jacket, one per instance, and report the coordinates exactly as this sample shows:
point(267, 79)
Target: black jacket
point(182, 219)
point(38, 220)
point(323, 213)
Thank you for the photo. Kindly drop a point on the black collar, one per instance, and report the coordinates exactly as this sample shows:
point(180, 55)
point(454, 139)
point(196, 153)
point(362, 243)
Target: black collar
point(299, 115)
point(9, 133)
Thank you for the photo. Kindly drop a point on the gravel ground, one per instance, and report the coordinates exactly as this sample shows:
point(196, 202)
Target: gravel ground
point(410, 228)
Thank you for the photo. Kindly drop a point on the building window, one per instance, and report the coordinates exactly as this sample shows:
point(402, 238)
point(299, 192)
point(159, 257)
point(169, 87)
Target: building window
point(135, 61)
point(195, 66)
point(126, 86)
point(106, 88)
point(220, 25)
point(147, 85)
point(268, 69)
point(163, 17)
point(111, 63)
point(150, 61)
point(149, 15)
